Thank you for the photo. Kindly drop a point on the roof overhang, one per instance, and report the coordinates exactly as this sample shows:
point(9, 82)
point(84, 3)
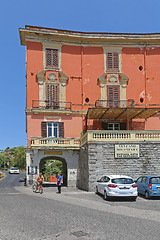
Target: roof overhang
point(114, 114)
point(34, 32)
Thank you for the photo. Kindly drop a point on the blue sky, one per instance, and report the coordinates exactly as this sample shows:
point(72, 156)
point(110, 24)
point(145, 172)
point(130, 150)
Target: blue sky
point(135, 16)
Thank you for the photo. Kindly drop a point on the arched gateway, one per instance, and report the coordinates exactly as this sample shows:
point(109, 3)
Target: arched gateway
point(64, 166)
point(69, 159)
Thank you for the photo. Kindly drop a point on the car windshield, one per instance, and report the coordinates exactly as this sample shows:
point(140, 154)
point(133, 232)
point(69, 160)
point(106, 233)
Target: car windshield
point(14, 168)
point(155, 180)
point(122, 180)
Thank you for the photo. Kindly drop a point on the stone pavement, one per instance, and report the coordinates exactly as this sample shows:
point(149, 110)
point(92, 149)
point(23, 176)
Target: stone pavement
point(91, 201)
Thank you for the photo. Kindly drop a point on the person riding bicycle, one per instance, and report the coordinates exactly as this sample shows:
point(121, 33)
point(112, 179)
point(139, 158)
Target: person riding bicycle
point(39, 180)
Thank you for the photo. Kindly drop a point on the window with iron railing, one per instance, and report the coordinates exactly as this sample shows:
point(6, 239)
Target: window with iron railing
point(52, 95)
point(112, 61)
point(52, 56)
point(113, 96)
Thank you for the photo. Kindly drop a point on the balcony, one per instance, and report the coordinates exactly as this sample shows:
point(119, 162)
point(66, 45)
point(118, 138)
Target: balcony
point(55, 143)
point(114, 104)
point(92, 136)
point(51, 105)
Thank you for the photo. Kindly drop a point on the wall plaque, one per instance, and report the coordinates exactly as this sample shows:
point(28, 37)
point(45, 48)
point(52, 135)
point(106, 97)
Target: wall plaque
point(52, 153)
point(126, 151)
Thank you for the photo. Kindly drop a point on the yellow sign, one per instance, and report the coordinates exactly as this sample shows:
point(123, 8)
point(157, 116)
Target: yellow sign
point(53, 153)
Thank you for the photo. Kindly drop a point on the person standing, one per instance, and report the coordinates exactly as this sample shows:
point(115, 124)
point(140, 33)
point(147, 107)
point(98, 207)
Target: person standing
point(59, 183)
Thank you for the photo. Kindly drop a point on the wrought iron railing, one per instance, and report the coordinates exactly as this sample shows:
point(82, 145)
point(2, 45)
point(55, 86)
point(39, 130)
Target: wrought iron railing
point(51, 105)
point(114, 104)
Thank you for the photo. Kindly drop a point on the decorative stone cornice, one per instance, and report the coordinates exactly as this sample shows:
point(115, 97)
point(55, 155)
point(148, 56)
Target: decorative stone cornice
point(102, 80)
point(41, 77)
point(63, 78)
point(52, 77)
point(123, 80)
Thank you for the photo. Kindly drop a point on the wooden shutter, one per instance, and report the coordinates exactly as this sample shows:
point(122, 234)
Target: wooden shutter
point(112, 61)
point(113, 96)
point(44, 129)
point(123, 126)
point(52, 58)
point(61, 130)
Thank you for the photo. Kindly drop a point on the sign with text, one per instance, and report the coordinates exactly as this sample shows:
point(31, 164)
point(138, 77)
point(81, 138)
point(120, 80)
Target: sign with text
point(53, 153)
point(126, 151)
point(32, 170)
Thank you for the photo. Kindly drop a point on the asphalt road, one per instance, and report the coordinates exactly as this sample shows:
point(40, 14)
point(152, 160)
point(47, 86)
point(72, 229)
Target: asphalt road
point(73, 215)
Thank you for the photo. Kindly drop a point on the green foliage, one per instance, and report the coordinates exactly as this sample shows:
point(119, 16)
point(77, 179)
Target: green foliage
point(15, 156)
point(51, 167)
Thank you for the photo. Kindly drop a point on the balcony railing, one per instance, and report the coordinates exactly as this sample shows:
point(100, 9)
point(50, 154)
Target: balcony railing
point(56, 142)
point(120, 135)
point(51, 105)
point(114, 104)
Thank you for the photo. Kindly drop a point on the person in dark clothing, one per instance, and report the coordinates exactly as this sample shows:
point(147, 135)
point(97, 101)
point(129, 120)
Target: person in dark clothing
point(59, 183)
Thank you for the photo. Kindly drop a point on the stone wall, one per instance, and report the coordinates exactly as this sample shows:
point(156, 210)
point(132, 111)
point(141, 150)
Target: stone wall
point(98, 159)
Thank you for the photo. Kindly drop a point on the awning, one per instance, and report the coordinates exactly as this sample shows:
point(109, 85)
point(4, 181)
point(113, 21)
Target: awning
point(124, 114)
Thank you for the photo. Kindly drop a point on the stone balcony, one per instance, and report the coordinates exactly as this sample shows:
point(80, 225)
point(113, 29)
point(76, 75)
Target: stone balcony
point(55, 143)
point(119, 136)
point(95, 136)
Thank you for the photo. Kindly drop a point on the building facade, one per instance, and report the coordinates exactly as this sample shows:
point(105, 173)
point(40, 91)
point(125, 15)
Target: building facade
point(78, 82)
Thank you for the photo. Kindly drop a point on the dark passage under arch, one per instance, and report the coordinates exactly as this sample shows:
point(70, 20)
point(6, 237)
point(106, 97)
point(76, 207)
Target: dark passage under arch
point(64, 169)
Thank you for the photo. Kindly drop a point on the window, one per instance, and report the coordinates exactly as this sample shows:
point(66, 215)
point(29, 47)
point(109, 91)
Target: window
point(139, 180)
point(52, 96)
point(52, 58)
point(113, 126)
point(112, 61)
point(52, 129)
point(113, 96)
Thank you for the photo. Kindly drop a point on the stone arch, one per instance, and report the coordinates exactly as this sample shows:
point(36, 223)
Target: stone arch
point(65, 174)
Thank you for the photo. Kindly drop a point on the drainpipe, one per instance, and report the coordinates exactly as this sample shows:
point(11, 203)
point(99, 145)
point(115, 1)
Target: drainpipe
point(145, 79)
point(82, 82)
point(82, 76)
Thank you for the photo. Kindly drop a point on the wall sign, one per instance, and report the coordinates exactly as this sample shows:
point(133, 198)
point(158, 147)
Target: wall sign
point(32, 170)
point(126, 151)
point(53, 153)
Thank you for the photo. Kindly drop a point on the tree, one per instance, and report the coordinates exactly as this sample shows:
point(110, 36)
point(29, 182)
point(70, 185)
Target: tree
point(20, 157)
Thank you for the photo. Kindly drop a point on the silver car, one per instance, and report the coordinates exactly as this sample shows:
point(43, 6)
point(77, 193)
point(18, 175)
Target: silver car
point(117, 186)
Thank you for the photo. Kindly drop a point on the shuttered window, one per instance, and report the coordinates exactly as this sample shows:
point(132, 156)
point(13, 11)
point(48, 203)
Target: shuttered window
point(52, 129)
point(51, 58)
point(52, 96)
point(112, 61)
point(113, 96)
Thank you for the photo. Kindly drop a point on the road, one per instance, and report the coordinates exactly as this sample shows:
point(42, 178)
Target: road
point(73, 215)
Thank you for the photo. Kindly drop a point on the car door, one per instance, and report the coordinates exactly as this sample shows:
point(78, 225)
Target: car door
point(144, 185)
point(99, 184)
point(139, 184)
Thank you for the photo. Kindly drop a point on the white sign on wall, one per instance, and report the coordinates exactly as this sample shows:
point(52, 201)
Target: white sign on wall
point(126, 151)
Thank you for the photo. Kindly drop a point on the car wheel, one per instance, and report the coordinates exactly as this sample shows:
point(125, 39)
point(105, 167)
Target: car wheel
point(134, 198)
point(96, 190)
point(105, 196)
point(147, 195)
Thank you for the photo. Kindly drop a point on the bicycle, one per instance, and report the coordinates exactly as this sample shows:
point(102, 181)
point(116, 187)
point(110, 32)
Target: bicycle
point(39, 189)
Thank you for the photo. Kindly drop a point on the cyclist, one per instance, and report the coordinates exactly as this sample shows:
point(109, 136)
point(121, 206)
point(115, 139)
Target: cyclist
point(39, 180)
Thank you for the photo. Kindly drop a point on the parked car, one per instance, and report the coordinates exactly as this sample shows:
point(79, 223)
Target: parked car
point(149, 186)
point(13, 170)
point(117, 186)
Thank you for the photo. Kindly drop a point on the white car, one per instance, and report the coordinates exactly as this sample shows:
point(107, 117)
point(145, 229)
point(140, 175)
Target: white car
point(117, 186)
point(14, 170)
